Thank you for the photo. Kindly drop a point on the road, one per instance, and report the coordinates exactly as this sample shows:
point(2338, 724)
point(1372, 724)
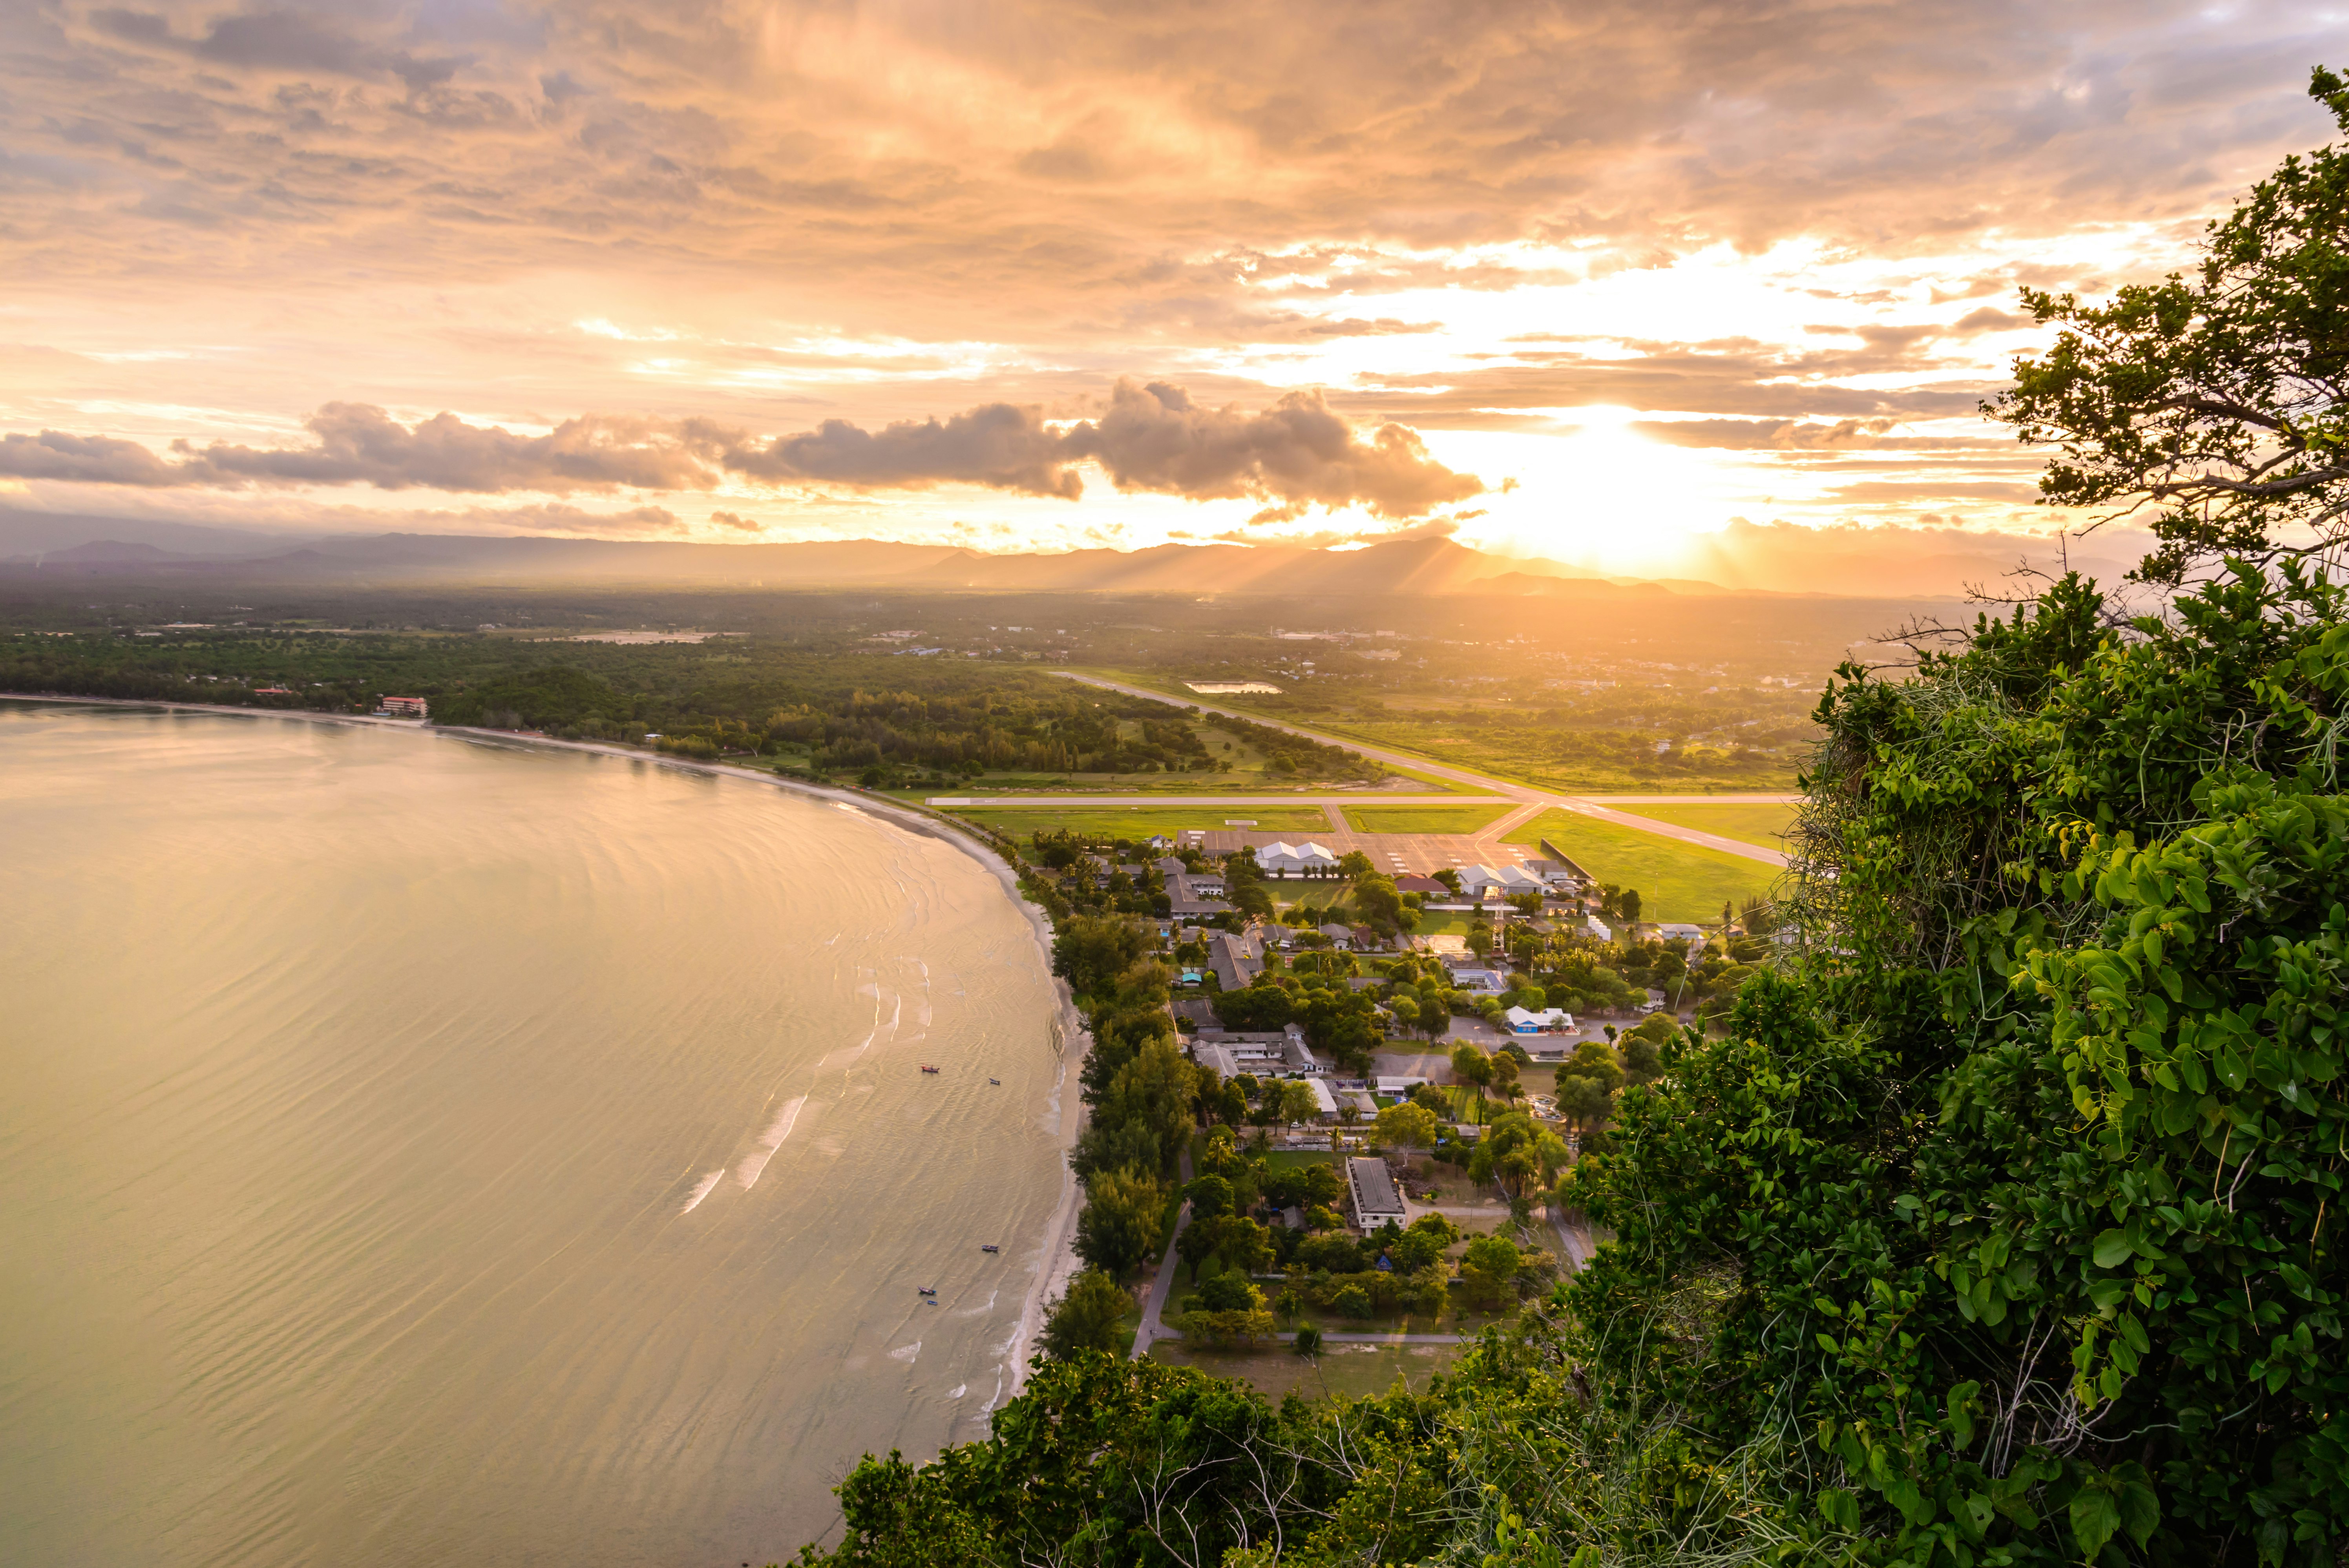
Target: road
point(1532, 802)
point(1153, 1326)
point(1364, 798)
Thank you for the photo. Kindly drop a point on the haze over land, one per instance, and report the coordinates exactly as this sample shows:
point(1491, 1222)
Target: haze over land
point(1646, 291)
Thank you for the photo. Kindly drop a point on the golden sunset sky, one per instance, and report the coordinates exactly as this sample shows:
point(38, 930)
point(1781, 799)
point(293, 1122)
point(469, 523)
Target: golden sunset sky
point(1585, 281)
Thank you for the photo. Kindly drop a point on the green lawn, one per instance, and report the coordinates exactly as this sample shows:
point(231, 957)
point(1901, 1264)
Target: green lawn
point(1352, 1371)
point(1424, 819)
point(1676, 881)
point(1138, 822)
point(1751, 824)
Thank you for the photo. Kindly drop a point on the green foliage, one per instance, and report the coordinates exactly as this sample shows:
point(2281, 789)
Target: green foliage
point(1403, 1127)
point(1121, 1226)
point(2215, 402)
point(1087, 1317)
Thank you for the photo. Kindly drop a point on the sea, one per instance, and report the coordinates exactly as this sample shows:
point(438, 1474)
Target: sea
point(419, 1149)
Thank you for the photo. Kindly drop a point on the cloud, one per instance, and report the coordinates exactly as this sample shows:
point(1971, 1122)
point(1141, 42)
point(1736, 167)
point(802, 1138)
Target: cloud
point(995, 445)
point(1151, 438)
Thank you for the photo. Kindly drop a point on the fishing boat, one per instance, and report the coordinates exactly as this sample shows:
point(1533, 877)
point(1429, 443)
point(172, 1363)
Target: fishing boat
point(996, 1081)
point(927, 1068)
point(927, 1289)
point(989, 1247)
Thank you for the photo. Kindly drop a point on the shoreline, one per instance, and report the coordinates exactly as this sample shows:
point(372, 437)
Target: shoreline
point(1057, 1261)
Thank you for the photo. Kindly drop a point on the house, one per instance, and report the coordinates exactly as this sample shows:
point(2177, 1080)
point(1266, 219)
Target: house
point(1360, 1102)
point(1366, 939)
point(1281, 859)
point(1398, 1085)
point(1234, 959)
point(1480, 981)
point(1217, 1059)
point(1325, 1103)
point(1549, 1021)
point(1198, 1011)
point(1376, 1201)
point(1680, 933)
point(1341, 938)
point(1426, 887)
point(1169, 867)
point(1160, 843)
point(1598, 928)
point(1207, 884)
point(1296, 1053)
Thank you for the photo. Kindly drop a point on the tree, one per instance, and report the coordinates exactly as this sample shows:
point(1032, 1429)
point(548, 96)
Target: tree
point(1210, 1196)
point(1404, 1128)
point(1489, 1272)
point(1471, 1066)
point(1381, 906)
point(1583, 1102)
point(1088, 1317)
point(1309, 1341)
point(1298, 1102)
point(1119, 1229)
point(2214, 404)
point(1090, 951)
point(1354, 865)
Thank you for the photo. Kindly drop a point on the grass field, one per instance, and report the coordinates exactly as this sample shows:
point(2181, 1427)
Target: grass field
point(1138, 822)
point(1423, 819)
point(1751, 824)
point(1352, 1370)
point(1676, 881)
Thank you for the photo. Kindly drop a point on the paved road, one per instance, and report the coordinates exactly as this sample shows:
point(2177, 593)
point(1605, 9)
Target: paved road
point(1532, 802)
point(1118, 798)
point(1162, 1289)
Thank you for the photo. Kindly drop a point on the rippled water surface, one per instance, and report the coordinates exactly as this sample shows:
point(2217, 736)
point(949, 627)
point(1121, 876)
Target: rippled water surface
point(420, 1151)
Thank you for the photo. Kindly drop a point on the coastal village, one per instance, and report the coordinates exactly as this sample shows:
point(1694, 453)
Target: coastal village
point(1392, 1067)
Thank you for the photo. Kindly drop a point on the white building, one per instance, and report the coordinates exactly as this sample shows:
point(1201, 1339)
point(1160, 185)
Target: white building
point(1598, 928)
point(1549, 1021)
point(1375, 1199)
point(1499, 881)
point(1282, 859)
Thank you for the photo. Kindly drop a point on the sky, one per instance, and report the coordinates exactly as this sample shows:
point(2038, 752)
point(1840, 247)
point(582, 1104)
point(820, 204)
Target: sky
point(1601, 283)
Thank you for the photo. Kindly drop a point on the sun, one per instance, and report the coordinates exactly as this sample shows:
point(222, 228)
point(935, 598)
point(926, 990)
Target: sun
point(1590, 487)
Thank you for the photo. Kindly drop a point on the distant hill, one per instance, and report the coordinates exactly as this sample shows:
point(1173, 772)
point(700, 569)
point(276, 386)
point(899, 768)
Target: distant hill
point(1423, 566)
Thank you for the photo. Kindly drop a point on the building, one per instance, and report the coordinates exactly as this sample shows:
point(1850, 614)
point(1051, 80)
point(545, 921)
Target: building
point(1234, 959)
point(1480, 981)
point(1205, 883)
point(1186, 897)
point(1557, 874)
point(1281, 859)
point(403, 707)
point(1234, 688)
point(1397, 1085)
point(1501, 882)
point(1169, 867)
point(1341, 938)
point(1376, 1201)
point(1325, 1104)
point(1549, 1021)
point(1598, 928)
point(1678, 931)
point(1426, 887)
point(1217, 1059)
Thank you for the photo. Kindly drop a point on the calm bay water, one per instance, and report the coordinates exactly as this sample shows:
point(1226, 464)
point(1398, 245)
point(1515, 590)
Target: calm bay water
point(418, 1151)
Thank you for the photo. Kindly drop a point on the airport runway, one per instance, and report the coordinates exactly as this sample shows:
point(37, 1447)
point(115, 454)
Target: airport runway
point(1487, 844)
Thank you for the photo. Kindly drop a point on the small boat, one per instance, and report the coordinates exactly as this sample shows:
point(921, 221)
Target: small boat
point(927, 1289)
point(996, 1081)
point(929, 1301)
point(927, 1068)
point(989, 1247)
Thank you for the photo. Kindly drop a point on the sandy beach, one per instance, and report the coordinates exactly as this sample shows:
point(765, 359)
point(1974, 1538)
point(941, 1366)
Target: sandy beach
point(1056, 1259)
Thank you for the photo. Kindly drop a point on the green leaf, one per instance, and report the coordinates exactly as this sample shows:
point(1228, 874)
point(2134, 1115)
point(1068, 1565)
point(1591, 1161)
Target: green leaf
point(2112, 1248)
point(2095, 1516)
point(1840, 1509)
